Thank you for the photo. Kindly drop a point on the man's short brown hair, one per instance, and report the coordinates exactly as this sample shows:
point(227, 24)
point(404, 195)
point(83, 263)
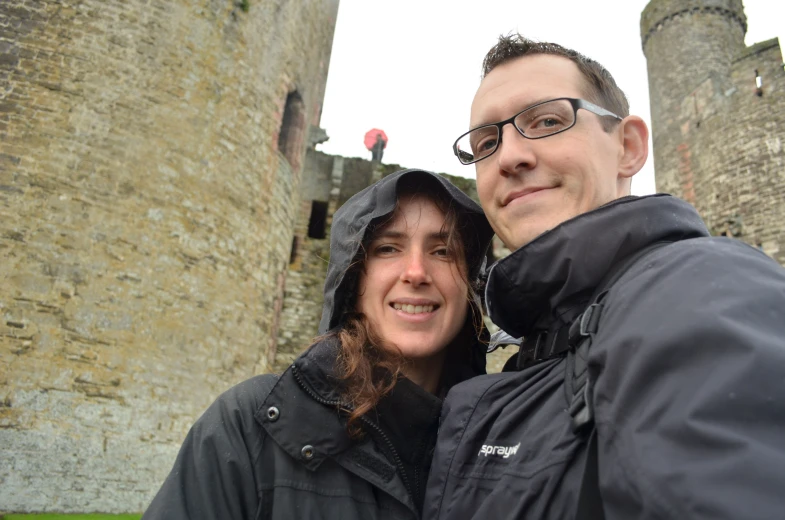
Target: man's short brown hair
point(600, 87)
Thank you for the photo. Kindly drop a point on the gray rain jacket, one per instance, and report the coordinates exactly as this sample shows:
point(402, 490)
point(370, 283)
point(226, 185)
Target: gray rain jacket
point(688, 373)
point(278, 449)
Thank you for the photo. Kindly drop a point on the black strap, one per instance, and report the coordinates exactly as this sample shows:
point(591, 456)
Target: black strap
point(541, 346)
point(579, 386)
point(579, 339)
point(589, 499)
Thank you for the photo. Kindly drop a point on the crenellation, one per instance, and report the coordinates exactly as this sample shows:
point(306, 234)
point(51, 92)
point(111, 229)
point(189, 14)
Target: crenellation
point(658, 14)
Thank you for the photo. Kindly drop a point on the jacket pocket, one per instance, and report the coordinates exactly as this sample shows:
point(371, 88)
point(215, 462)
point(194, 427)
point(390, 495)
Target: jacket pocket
point(298, 500)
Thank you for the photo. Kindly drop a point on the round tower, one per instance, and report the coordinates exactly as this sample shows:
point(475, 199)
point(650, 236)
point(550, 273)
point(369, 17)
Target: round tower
point(689, 46)
point(717, 118)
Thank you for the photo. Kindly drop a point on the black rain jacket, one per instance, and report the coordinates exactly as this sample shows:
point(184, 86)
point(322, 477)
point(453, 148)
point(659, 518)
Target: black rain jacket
point(278, 449)
point(688, 372)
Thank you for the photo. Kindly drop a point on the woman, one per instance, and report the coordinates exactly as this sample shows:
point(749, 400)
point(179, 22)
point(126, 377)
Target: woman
point(348, 430)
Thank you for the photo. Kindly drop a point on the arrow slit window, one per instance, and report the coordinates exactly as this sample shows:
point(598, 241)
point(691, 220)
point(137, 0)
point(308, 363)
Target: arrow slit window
point(292, 132)
point(317, 224)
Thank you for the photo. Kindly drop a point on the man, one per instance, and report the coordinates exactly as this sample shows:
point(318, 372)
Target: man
point(681, 413)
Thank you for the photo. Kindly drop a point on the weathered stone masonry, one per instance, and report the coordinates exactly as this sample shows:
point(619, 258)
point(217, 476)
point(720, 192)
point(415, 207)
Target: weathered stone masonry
point(146, 218)
point(718, 138)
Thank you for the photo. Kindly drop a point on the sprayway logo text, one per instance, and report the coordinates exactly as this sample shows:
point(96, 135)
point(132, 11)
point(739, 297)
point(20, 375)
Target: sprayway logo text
point(503, 451)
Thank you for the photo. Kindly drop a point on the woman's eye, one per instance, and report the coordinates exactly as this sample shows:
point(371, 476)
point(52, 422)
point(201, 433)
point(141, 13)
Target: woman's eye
point(443, 252)
point(384, 249)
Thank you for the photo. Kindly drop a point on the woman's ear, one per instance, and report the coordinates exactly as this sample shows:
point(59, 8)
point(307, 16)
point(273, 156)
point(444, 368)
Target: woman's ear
point(634, 135)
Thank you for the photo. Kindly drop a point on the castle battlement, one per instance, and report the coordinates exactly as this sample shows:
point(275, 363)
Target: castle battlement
point(659, 13)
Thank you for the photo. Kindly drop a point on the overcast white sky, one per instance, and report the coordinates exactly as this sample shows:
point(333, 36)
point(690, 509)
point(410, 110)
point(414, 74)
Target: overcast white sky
point(411, 67)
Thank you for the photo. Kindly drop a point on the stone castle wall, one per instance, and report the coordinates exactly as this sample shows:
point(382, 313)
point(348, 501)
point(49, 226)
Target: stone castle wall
point(146, 221)
point(303, 295)
point(718, 140)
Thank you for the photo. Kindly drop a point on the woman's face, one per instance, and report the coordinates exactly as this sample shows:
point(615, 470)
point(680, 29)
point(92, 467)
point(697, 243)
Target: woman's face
point(411, 289)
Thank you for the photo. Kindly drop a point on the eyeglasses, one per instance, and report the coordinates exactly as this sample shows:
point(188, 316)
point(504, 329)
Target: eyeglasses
point(535, 122)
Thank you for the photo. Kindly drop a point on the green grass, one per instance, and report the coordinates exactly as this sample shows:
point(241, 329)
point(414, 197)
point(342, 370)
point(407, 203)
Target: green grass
point(70, 517)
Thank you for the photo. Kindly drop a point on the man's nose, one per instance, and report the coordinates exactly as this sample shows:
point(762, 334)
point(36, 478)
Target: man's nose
point(515, 152)
point(415, 270)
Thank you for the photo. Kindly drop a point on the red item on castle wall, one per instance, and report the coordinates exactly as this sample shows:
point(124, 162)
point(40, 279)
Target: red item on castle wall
point(370, 138)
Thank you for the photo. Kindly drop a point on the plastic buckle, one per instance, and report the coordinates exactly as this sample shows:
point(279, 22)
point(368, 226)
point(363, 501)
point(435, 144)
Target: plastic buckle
point(523, 354)
point(582, 412)
point(589, 319)
point(538, 345)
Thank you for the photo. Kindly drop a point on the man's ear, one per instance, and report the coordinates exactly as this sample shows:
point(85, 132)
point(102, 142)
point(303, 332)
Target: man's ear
point(634, 135)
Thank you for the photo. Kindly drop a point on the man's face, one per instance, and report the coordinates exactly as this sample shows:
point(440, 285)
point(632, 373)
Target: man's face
point(530, 186)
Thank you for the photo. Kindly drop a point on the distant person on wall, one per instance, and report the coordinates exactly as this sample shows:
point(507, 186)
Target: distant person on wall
point(378, 148)
point(375, 141)
point(651, 376)
point(347, 431)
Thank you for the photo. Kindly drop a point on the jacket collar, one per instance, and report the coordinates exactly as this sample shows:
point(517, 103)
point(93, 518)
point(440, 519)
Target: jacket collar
point(317, 369)
point(307, 401)
point(308, 408)
point(538, 284)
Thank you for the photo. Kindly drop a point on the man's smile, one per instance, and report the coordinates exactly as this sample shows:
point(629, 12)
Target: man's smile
point(522, 195)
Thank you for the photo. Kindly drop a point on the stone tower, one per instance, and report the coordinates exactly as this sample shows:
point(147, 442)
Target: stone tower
point(150, 161)
point(718, 117)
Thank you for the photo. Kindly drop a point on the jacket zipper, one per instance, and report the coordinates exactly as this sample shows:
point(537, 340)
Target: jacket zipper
point(313, 394)
point(364, 419)
point(396, 458)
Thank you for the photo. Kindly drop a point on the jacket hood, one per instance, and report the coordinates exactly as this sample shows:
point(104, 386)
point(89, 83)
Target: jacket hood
point(536, 285)
point(370, 206)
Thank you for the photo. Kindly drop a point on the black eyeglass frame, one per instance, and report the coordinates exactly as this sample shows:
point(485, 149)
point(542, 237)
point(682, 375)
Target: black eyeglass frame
point(576, 105)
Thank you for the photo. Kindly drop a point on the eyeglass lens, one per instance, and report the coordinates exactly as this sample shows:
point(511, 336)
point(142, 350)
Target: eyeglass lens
point(535, 122)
